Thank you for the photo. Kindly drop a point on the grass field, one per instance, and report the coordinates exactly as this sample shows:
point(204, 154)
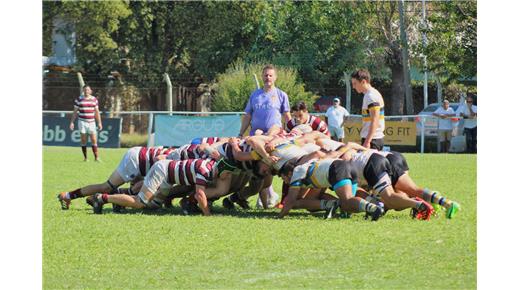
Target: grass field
point(251, 249)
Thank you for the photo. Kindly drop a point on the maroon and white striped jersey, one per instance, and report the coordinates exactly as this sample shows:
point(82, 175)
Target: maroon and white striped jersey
point(86, 108)
point(191, 171)
point(147, 155)
point(226, 151)
point(188, 151)
point(315, 122)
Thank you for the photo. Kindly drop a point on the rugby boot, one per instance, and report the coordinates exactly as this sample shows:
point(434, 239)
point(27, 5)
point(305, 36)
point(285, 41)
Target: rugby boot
point(97, 203)
point(332, 210)
point(375, 215)
point(64, 201)
point(452, 210)
point(228, 204)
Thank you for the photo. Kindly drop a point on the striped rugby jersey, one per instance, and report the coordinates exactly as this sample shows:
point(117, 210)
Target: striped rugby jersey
point(146, 156)
point(315, 122)
point(191, 171)
point(373, 100)
point(227, 152)
point(188, 151)
point(86, 108)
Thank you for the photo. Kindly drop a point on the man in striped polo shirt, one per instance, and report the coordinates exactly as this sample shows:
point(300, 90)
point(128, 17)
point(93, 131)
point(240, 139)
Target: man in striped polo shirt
point(372, 110)
point(87, 111)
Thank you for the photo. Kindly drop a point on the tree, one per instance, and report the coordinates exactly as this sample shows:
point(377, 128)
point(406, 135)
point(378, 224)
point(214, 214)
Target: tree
point(452, 40)
point(320, 39)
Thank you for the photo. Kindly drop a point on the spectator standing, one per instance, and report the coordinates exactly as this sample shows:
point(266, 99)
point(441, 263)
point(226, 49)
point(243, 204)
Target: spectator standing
point(445, 130)
point(469, 112)
point(87, 110)
point(264, 110)
point(372, 111)
point(335, 116)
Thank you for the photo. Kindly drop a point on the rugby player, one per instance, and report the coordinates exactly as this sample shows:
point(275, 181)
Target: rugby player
point(135, 163)
point(166, 173)
point(324, 173)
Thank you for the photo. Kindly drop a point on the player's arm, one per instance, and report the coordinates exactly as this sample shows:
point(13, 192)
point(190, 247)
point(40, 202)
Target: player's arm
point(246, 120)
point(290, 200)
point(238, 154)
point(98, 119)
point(287, 116)
point(258, 144)
point(275, 129)
point(311, 137)
point(73, 118)
point(355, 146)
point(374, 123)
point(202, 200)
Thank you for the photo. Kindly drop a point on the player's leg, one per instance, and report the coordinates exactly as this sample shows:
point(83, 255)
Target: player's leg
point(83, 139)
point(93, 140)
point(353, 204)
point(399, 201)
point(314, 199)
point(114, 181)
point(238, 184)
point(407, 185)
point(144, 199)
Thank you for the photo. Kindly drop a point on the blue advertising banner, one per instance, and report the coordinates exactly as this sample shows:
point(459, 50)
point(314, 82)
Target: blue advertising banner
point(179, 130)
point(56, 132)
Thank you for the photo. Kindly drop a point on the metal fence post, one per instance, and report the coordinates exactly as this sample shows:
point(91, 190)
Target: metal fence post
point(150, 126)
point(422, 134)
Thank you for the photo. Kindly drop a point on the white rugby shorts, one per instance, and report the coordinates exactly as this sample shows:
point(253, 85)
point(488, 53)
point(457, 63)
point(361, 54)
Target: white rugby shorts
point(157, 177)
point(87, 127)
point(128, 168)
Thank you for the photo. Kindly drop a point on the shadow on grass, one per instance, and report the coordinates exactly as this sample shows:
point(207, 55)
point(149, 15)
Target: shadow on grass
point(216, 210)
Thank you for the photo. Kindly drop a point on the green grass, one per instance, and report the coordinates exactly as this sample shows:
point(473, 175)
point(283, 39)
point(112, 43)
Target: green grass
point(250, 249)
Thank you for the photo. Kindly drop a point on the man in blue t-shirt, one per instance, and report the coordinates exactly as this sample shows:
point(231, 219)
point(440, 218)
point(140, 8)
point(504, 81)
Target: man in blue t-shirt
point(264, 110)
point(266, 106)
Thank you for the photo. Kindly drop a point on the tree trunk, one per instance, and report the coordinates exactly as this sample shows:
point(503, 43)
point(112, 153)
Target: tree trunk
point(397, 98)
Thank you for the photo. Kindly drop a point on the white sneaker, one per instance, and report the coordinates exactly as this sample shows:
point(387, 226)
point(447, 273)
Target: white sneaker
point(259, 203)
point(273, 199)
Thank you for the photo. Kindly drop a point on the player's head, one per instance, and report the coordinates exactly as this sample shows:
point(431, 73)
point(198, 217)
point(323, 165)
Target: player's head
point(287, 170)
point(269, 75)
point(87, 90)
point(300, 112)
point(360, 80)
point(260, 169)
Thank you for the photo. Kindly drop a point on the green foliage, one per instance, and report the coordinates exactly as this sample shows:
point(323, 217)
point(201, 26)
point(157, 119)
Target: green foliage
point(132, 140)
point(246, 250)
point(233, 88)
point(94, 24)
point(194, 41)
point(452, 40)
point(317, 38)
